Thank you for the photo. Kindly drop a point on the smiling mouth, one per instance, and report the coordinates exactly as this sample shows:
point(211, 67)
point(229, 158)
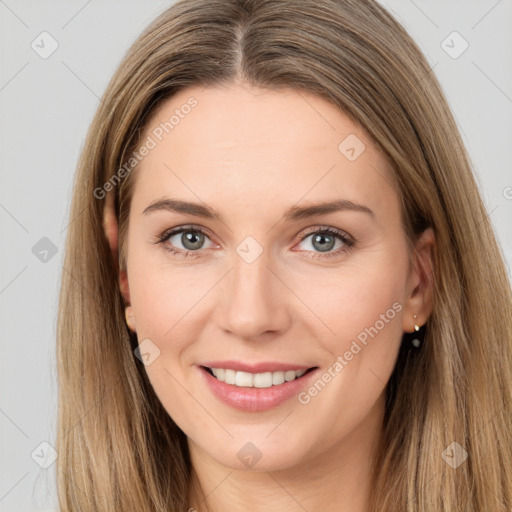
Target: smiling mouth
point(256, 380)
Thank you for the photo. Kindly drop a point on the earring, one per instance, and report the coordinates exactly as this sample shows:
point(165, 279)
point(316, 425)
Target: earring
point(416, 341)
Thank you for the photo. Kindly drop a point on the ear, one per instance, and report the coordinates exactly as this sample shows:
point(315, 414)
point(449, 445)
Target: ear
point(110, 226)
point(420, 286)
point(130, 318)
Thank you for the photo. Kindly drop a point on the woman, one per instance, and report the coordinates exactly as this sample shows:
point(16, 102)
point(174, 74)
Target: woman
point(282, 290)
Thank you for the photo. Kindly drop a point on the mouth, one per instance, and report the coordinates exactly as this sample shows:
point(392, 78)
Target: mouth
point(268, 385)
point(257, 380)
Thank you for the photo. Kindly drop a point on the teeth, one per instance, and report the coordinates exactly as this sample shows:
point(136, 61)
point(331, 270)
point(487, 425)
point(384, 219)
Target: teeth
point(243, 379)
point(256, 380)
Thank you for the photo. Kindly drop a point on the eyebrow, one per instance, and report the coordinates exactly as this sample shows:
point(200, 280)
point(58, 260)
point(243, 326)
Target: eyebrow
point(293, 213)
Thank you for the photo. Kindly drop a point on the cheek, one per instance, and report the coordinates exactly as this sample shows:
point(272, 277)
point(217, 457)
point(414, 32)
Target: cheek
point(163, 302)
point(363, 309)
point(362, 304)
point(164, 306)
point(357, 299)
point(161, 292)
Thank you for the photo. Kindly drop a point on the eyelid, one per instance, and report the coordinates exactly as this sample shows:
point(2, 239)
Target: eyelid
point(184, 227)
point(318, 228)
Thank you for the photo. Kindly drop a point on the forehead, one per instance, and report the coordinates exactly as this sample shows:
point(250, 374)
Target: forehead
point(240, 145)
point(242, 117)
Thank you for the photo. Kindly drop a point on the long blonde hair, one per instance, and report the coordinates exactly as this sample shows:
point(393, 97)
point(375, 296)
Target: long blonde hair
point(118, 448)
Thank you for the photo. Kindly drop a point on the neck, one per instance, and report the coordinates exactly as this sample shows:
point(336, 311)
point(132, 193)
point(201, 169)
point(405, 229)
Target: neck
point(337, 480)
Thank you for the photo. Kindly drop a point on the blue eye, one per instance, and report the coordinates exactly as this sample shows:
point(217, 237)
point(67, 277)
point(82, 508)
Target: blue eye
point(192, 240)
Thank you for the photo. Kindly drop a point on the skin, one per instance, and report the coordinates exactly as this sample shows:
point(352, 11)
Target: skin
point(250, 154)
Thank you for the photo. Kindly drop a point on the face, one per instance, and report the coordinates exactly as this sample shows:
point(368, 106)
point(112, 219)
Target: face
point(254, 279)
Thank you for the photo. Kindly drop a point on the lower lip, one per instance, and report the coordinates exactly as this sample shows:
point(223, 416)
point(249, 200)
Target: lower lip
point(255, 399)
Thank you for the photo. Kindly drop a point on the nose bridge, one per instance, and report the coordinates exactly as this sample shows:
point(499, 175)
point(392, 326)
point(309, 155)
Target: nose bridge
point(250, 274)
point(252, 302)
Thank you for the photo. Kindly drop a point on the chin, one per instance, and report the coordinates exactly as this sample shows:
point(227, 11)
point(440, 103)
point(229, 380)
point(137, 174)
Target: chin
point(258, 453)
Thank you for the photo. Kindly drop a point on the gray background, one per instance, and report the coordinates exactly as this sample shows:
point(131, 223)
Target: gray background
point(46, 106)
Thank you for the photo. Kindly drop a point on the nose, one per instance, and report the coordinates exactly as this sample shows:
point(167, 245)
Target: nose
point(254, 301)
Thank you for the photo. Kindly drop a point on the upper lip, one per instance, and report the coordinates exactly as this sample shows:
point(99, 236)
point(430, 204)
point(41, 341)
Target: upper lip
point(261, 367)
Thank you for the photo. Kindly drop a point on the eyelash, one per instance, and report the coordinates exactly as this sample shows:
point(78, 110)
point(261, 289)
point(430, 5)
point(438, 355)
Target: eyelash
point(348, 242)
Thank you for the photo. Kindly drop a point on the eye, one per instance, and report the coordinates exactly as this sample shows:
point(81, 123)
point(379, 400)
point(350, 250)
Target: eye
point(323, 241)
point(190, 238)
